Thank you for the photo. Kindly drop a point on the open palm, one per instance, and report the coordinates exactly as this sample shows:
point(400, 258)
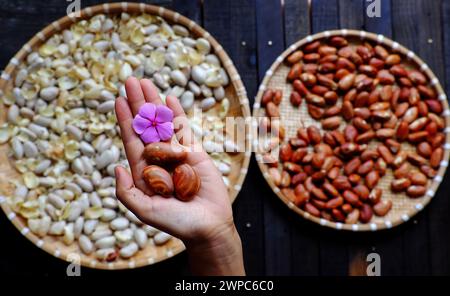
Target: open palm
point(207, 213)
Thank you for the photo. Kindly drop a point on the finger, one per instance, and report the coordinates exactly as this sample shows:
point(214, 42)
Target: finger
point(134, 94)
point(181, 124)
point(132, 143)
point(150, 92)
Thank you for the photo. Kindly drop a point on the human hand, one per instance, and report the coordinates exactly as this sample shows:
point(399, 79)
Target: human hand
point(205, 224)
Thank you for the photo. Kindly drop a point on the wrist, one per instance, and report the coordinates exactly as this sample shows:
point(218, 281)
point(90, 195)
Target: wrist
point(218, 252)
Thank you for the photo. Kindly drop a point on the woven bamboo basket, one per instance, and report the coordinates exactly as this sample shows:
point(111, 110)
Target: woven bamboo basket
point(239, 106)
point(403, 207)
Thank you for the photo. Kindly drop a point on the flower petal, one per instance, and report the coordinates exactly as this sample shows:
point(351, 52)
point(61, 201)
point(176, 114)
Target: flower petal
point(150, 135)
point(163, 114)
point(148, 110)
point(165, 130)
point(140, 124)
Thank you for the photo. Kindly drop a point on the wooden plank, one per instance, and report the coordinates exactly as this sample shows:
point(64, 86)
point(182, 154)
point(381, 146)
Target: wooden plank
point(410, 22)
point(382, 24)
point(437, 52)
point(191, 9)
point(351, 14)
point(297, 23)
point(270, 44)
point(324, 14)
point(304, 240)
point(333, 253)
point(233, 24)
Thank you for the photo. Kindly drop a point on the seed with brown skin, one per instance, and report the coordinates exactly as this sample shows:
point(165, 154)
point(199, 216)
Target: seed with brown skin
point(366, 167)
point(292, 167)
point(436, 157)
point(330, 190)
point(333, 173)
point(158, 180)
point(398, 71)
point(418, 178)
point(365, 137)
point(327, 50)
point(311, 209)
point(162, 153)
point(423, 108)
point(431, 128)
point(347, 110)
point(315, 112)
point(341, 183)
point(437, 140)
point(308, 79)
point(417, 77)
point(400, 159)
point(346, 82)
point(375, 195)
point(334, 203)
point(381, 166)
point(424, 149)
point(289, 194)
point(428, 171)
point(298, 178)
point(352, 217)
point(382, 208)
point(352, 198)
point(296, 142)
point(331, 123)
point(277, 97)
point(352, 166)
point(295, 99)
point(384, 77)
point(417, 136)
point(350, 133)
point(272, 110)
point(275, 176)
point(366, 213)
point(385, 154)
point(354, 178)
point(401, 109)
point(312, 46)
point(385, 133)
point(434, 106)
point(314, 134)
point(332, 111)
point(381, 52)
point(393, 59)
point(402, 131)
point(285, 179)
point(398, 185)
point(298, 154)
point(361, 124)
point(362, 191)
point(393, 145)
point(363, 113)
point(416, 159)
point(418, 124)
point(416, 191)
point(300, 87)
point(426, 92)
point(318, 160)
point(411, 114)
point(338, 215)
point(402, 171)
point(372, 179)
point(285, 152)
point(267, 97)
point(338, 41)
point(295, 57)
point(346, 208)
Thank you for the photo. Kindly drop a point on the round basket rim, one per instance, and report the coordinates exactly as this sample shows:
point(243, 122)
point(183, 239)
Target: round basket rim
point(173, 17)
point(380, 39)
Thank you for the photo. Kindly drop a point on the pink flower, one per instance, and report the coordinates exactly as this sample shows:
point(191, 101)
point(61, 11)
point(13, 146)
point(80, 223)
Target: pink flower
point(153, 123)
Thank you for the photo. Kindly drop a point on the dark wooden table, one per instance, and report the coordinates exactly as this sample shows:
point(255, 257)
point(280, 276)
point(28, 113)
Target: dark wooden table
point(276, 241)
